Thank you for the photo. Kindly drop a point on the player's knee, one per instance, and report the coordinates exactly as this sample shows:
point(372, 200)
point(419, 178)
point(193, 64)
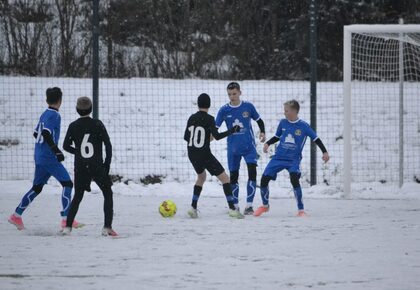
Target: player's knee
point(234, 176)
point(67, 183)
point(265, 179)
point(37, 188)
point(294, 179)
point(252, 171)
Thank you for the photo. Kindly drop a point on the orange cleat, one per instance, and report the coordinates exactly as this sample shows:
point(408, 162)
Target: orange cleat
point(262, 209)
point(301, 213)
point(17, 221)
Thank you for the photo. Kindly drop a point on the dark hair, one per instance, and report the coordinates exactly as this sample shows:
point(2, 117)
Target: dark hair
point(54, 95)
point(293, 104)
point(84, 106)
point(203, 101)
point(233, 85)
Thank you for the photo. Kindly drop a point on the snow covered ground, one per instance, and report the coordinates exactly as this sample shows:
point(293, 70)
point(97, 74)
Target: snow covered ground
point(344, 244)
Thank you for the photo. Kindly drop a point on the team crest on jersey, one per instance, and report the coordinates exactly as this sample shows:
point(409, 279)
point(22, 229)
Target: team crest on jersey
point(298, 132)
point(245, 114)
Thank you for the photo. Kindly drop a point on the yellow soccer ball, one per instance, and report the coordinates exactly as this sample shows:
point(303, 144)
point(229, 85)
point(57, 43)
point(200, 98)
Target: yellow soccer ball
point(167, 208)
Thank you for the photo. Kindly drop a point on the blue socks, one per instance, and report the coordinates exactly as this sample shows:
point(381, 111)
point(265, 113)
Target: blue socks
point(65, 200)
point(298, 195)
point(235, 193)
point(265, 194)
point(251, 188)
point(26, 201)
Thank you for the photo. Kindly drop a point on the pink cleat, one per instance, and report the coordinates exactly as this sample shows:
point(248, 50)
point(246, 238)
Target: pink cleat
point(301, 213)
point(75, 224)
point(262, 209)
point(17, 221)
point(109, 232)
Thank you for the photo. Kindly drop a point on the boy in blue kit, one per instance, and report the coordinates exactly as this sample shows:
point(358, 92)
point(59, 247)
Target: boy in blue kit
point(292, 133)
point(48, 160)
point(241, 144)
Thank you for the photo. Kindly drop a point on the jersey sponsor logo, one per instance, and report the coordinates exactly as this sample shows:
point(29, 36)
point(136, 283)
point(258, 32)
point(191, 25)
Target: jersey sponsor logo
point(237, 122)
point(289, 139)
point(245, 114)
point(298, 132)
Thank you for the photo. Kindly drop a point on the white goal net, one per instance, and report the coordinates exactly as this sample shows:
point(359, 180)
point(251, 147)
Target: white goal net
point(381, 104)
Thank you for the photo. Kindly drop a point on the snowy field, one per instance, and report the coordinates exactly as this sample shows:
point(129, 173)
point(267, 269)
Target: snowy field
point(343, 244)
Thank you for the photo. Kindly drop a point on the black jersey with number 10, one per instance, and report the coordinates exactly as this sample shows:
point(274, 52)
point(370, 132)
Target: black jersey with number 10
point(199, 128)
point(88, 136)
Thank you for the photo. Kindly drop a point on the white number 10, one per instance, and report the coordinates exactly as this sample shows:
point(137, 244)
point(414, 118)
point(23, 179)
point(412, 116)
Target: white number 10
point(197, 136)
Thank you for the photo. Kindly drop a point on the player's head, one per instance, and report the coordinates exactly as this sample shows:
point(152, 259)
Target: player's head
point(291, 109)
point(84, 106)
point(54, 96)
point(234, 91)
point(203, 101)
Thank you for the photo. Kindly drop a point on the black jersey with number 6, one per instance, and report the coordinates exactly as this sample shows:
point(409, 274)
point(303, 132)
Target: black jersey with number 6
point(199, 128)
point(88, 136)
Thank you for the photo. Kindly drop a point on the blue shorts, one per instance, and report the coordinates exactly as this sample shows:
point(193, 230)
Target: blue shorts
point(234, 158)
point(276, 165)
point(43, 172)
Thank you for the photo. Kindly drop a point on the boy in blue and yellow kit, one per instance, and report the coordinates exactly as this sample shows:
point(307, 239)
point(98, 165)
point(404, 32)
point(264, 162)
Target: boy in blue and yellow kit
point(292, 133)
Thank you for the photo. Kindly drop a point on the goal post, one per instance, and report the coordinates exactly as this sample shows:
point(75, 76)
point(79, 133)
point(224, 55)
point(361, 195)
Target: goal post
point(377, 61)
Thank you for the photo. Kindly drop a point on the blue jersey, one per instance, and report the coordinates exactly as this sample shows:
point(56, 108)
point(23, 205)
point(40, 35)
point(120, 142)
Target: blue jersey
point(239, 115)
point(292, 137)
point(50, 120)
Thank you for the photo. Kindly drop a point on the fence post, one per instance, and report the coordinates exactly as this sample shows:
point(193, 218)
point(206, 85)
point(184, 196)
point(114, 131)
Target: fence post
point(95, 59)
point(313, 73)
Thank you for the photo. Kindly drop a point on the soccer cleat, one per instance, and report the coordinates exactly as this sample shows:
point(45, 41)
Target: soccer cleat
point(192, 212)
point(66, 231)
point(75, 224)
point(17, 221)
point(262, 209)
point(301, 213)
point(109, 232)
point(235, 213)
point(249, 210)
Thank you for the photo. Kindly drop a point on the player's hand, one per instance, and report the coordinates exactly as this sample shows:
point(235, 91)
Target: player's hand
point(235, 129)
point(262, 137)
point(265, 148)
point(60, 156)
point(325, 157)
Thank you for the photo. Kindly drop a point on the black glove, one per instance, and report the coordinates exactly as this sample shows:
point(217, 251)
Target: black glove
point(58, 153)
point(235, 129)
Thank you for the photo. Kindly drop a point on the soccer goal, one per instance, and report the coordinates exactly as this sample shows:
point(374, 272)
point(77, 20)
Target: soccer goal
point(381, 73)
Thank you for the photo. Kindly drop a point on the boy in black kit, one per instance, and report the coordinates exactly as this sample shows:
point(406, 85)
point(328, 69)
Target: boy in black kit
point(87, 136)
point(199, 132)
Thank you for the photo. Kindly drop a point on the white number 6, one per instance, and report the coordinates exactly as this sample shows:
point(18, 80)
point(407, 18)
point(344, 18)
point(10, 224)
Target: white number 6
point(86, 149)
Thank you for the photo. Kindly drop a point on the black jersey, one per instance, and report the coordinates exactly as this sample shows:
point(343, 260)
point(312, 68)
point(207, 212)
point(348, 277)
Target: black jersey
point(199, 128)
point(87, 136)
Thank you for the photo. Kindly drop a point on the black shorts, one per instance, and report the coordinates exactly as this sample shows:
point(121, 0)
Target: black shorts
point(206, 162)
point(85, 173)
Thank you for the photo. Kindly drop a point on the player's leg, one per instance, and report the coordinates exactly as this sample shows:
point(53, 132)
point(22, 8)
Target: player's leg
point(81, 182)
point(198, 187)
point(251, 162)
point(227, 189)
point(234, 162)
point(40, 178)
point(216, 169)
point(104, 182)
point(234, 176)
point(199, 167)
point(60, 173)
point(295, 175)
point(270, 173)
